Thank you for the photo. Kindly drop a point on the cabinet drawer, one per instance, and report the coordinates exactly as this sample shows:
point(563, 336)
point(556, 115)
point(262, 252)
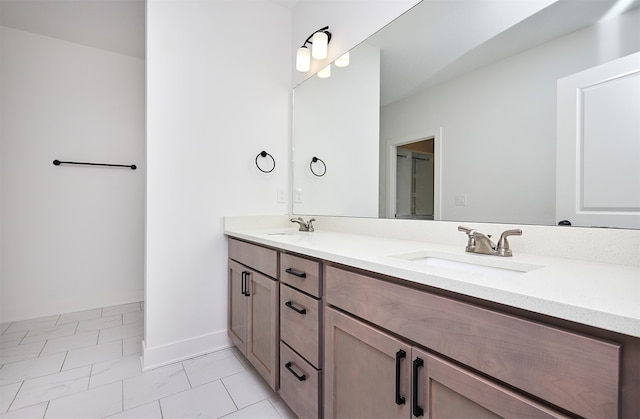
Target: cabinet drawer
point(301, 273)
point(301, 394)
point(298, 330)
point(257, 257)
point(550, 363)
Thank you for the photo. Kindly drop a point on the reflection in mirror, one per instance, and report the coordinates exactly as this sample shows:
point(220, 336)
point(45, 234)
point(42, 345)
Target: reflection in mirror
point(477, 76)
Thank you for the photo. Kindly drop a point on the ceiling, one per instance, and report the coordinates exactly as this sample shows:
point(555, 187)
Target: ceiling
point(112, 25)
point(441, 39)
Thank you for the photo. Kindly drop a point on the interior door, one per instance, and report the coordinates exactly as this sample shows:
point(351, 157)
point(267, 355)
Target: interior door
point(598, 145)
point(403, 183)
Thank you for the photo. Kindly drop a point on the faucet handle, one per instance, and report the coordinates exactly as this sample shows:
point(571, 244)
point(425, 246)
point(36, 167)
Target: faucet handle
point(471, 243)
point(310, 224)
point(503, 244)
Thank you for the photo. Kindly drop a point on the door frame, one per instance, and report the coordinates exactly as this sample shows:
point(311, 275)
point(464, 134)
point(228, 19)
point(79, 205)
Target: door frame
point(391, 148)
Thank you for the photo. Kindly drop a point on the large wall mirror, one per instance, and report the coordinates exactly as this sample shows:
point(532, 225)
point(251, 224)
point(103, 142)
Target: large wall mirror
point(450, 112)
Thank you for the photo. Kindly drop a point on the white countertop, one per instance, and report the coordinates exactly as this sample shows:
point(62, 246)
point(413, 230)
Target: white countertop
point(603, 295)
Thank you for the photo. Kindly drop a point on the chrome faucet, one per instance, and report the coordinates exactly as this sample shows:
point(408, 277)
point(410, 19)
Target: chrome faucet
point(481, 243)
point(304, 225)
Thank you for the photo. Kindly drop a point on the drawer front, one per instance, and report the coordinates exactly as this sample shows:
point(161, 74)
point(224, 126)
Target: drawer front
point(257, 257)
point(554, 364)
point(301, 273)
point(300, 323)
point(302, 395)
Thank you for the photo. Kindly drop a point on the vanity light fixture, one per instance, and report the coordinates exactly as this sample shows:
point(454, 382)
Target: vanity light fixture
point(343, 60)
point(319, 41)
point(325, 73)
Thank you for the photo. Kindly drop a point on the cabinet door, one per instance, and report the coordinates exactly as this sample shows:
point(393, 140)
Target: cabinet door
point(237, 318)
point(264, 315)
point(367, 373)
point(445, 390)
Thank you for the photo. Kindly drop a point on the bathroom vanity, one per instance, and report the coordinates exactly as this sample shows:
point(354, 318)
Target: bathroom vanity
point(365, 328)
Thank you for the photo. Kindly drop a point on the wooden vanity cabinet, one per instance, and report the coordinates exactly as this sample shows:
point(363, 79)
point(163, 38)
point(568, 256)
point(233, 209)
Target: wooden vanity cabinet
point(253, 314)
point(301, 335)
point(372, 374)
point(474, 362)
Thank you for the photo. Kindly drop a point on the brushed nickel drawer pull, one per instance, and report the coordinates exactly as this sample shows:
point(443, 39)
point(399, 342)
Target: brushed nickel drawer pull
point(302, 311)
point(295, 272)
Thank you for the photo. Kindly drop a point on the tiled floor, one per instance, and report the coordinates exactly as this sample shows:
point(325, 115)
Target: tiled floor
point(87, 365)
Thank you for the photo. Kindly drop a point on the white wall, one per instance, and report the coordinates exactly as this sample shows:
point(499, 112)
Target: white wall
point(72, 237)
point(338, 119)
point(483, 114)
point(216, 97)
point(218, 92)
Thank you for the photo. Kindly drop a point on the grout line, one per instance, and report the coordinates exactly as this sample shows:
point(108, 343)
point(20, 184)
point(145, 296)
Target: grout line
point(90, 375)
point(15, 396)
point(65, 360)
point(43, 346)
point(160, 406)
point(229, 394)
point(46, 409)
point(186, 375)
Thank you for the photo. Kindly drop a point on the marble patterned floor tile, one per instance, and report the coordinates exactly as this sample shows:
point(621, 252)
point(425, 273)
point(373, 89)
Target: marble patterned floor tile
point(247, 388)
point(124, 308)
point(52, 386)
point(282, 408)
point(146, 411)
point(241, 358)
point(212, 367)
point(93, 354)
point(20, 352)
point(7, 394)
point(262, 410)
point(38, 323)
point(100, 323)
point(92, 404)
point(31, 412)
point(154, 384)
point(30, 368)
point(207, 401)
point(66, 343)
point(12, 339)
point(80, 316)
point(126, 331)
point(116, 370)
point(132, 345)
point(44, 333)
point(133, 317)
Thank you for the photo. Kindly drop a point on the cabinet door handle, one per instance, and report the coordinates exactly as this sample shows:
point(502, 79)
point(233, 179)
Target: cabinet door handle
point(399, 356)
point(245, 283)
point(302, 311)
point(288, 366)
point(417, 410)
point(295, 272)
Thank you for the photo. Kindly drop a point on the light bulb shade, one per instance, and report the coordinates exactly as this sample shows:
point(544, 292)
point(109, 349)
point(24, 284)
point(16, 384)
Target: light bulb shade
point(343, 60)
point(303, 59)
point(319, 44)
point(325, 72)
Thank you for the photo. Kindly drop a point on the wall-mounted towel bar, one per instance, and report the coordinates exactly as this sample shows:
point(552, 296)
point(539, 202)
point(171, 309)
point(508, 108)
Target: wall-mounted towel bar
point(59, 162)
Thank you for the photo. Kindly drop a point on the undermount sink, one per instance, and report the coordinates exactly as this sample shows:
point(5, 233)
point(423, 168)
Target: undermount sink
point(477, 265)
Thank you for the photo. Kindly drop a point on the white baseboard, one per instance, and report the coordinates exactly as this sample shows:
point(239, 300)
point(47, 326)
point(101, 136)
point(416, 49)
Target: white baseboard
point(158, 356)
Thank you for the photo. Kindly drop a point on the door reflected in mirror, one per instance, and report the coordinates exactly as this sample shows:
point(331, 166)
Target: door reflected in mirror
point(414, 193)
